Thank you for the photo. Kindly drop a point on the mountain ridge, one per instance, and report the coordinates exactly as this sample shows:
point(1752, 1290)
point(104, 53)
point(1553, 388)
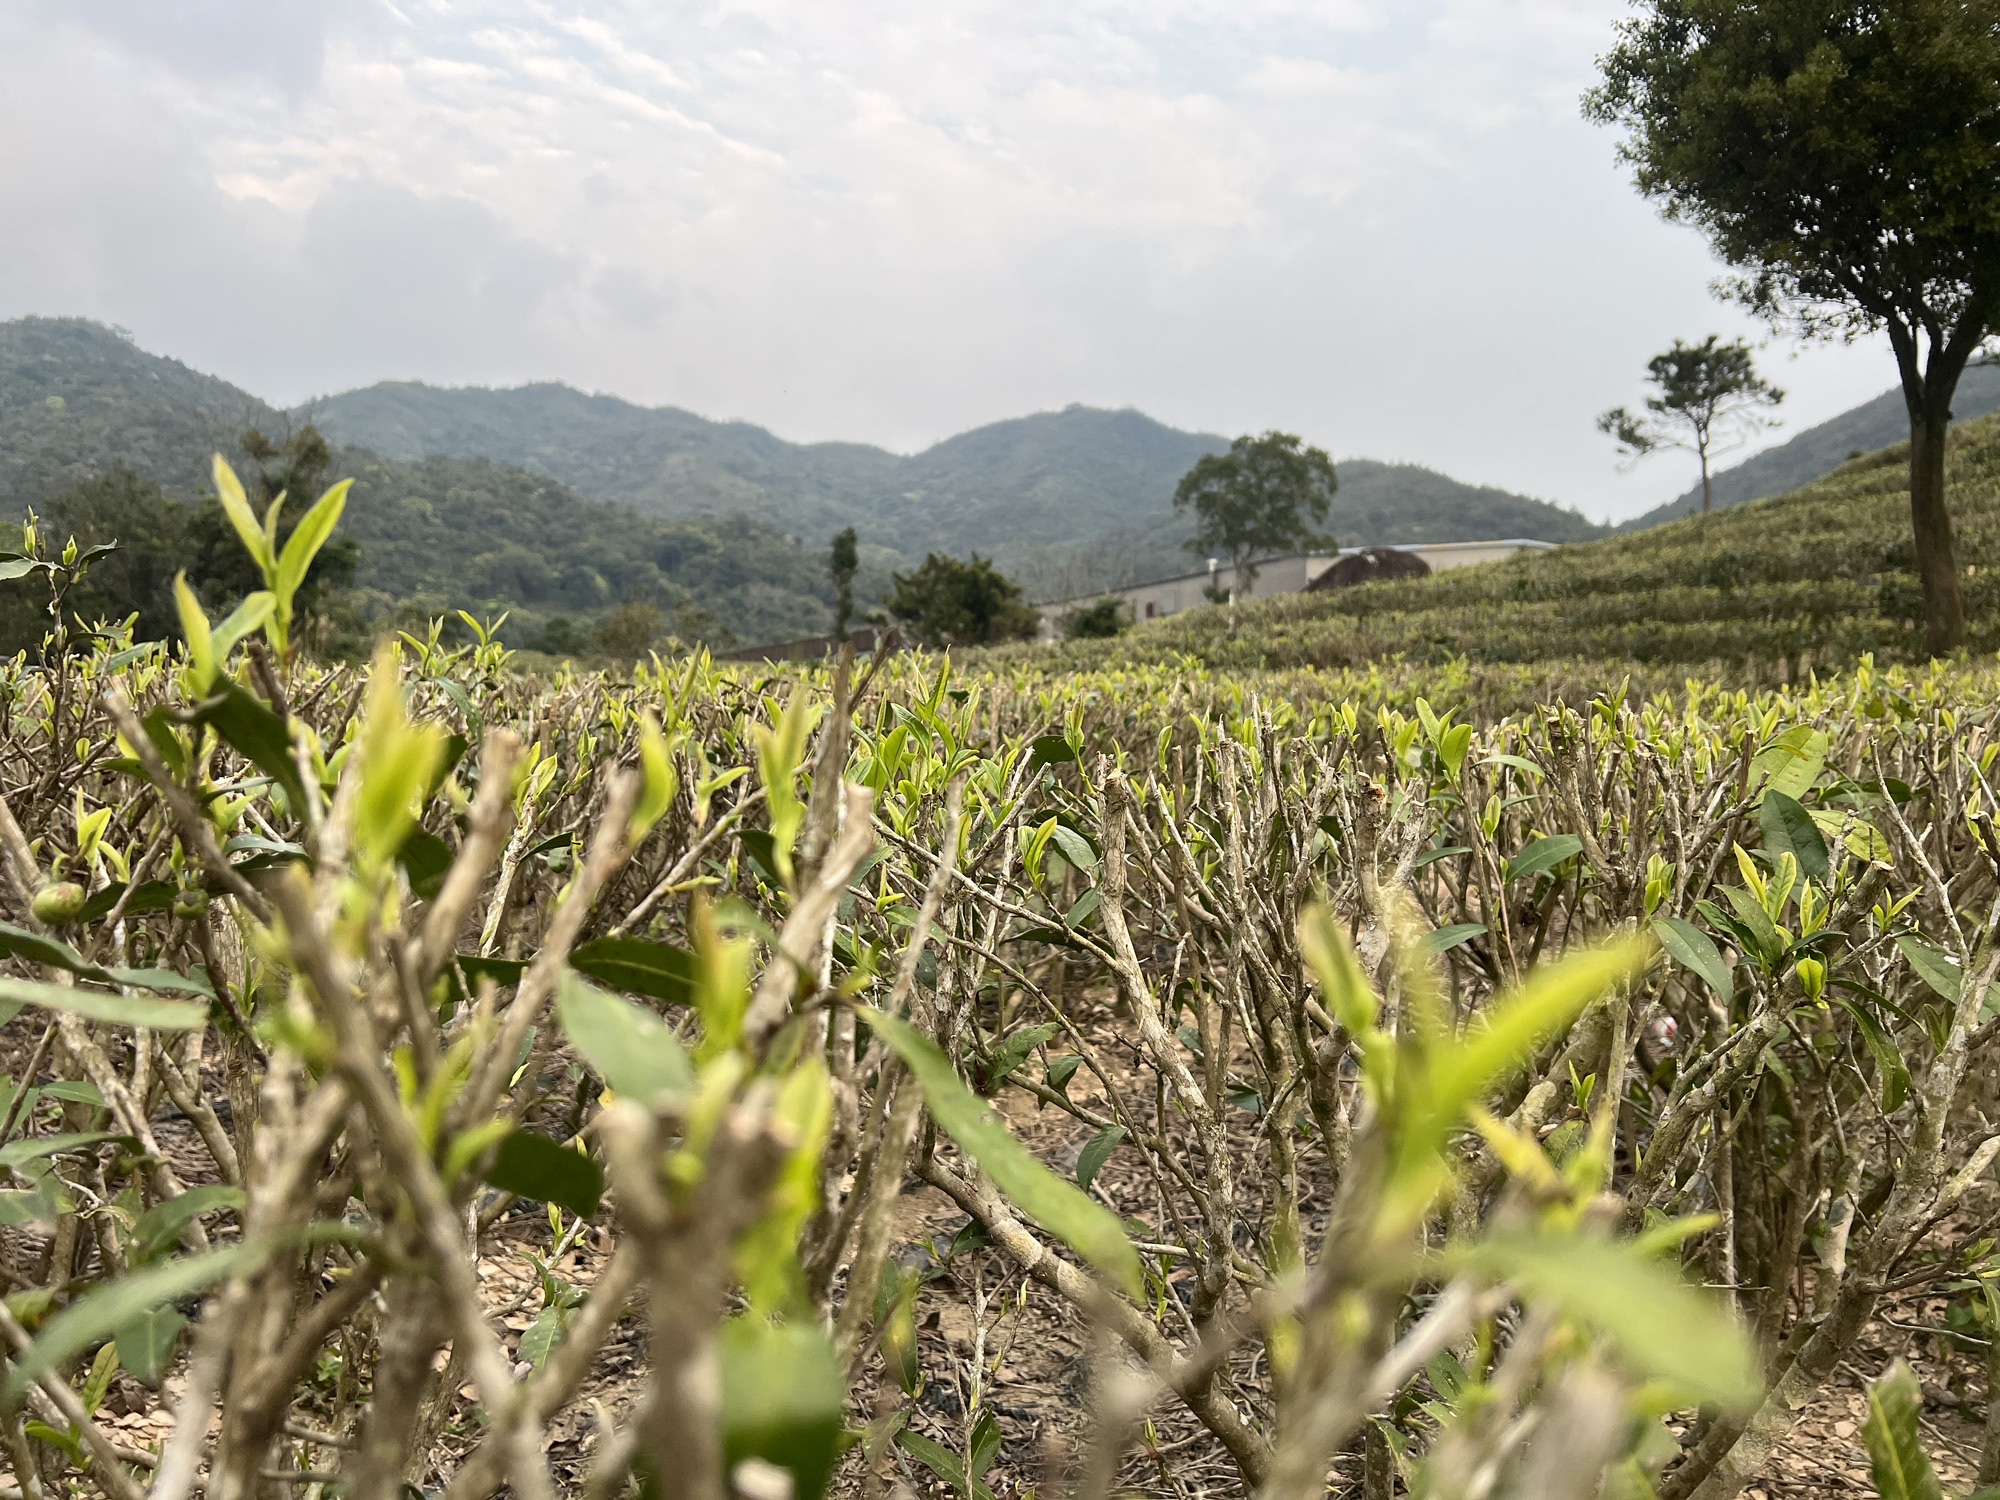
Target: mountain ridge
point(1070, 498)
point(79, 401)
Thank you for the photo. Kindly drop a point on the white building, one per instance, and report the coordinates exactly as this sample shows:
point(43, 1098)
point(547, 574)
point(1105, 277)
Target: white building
point(1291, 574)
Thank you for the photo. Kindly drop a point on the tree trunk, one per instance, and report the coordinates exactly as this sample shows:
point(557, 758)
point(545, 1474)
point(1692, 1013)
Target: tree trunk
point(1707, 485)
point(1930, 525)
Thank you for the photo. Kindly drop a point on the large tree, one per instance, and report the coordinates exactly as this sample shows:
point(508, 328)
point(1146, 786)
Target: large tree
point(1266, 494)
point(1707, 398)
point(951, 603)
point(1844, 157)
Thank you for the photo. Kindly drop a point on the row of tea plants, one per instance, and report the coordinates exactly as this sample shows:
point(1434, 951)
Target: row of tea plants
point(1458, 1102)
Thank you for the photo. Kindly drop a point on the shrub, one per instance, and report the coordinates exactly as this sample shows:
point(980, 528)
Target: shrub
point(1100, 621)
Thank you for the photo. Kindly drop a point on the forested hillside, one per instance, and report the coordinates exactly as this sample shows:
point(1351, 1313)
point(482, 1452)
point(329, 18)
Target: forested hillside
point(1064, 501)
point(78, 401)
point(77, 398)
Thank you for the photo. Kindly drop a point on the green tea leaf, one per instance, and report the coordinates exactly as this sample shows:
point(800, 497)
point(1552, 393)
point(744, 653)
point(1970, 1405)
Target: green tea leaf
point(257, 734)
point(784, 1400)
point(1861, 838)
point(1061, 1071)
point(1791, 763)
point(1665, 1328)
point(398, 759)
point(426, 860)
point(1065, 1211)
point(1544, 854)
point(1050, 750)
point(160, 1227)
point(1754, 923)
point(1934, 966)
point(763, 852)
point(1789, 828)
point(1451, 748)
point(533, 1166)
point(101, 1313)
point(195, 983)
point(314, 527)
point(1896, 1457)
point(1550, 997)
point(640, 966)
point(1096, 1151)
point(34, 1148)
point(236, 506)
point(1073, 847)
point(97, 1005)
point(70, 1091)
point(632, 1050)
point(152, 895)
point(941, 1462)
point(1888, 1056)
point(1696, 950)
point(35, 947)
point(1014, 1051)
point(468, 969)
point(246, 618)
point(542, 1335)
point(146, 1343)
point(1445, 939)
point(986, 1439)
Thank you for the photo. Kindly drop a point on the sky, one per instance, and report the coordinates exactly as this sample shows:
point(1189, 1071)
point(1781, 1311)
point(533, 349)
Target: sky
point(1381, 224)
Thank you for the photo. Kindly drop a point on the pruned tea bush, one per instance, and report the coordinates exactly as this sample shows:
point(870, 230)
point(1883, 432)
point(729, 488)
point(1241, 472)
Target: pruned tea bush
point(432, 1076)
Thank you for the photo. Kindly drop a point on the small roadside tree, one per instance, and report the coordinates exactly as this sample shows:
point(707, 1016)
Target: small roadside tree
point(1844, 157)
point(951, 603)
point(1710, 399)
point(842, 563)
point(1266, 494)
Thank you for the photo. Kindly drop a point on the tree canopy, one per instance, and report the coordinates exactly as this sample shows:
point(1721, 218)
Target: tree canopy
point(1844, 157)
point(951, 603)
point(1266, 494)
point(1708, 399)
point(842, 563)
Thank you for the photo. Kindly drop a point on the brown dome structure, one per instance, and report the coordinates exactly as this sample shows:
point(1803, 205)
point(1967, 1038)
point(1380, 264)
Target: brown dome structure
point(1370, 565)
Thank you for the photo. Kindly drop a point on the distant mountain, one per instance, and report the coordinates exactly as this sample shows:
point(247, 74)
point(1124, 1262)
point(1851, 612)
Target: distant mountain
point(659, 460)
point(1063, 500)
point(545, 500)
point(77, 400)
point(1818, 451)
point(76, 397)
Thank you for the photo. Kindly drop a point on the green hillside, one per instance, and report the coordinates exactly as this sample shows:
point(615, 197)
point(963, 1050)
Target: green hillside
point(1817, 577)
point(1064, 501)
point(659, 460)
point(77, 401)
point(76, 398)
point(1818, 451)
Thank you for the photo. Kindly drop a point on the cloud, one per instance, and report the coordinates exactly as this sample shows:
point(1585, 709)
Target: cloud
point(1381, 225)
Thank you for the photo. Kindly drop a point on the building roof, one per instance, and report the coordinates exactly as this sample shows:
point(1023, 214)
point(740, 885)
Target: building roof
point(1148, 583)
